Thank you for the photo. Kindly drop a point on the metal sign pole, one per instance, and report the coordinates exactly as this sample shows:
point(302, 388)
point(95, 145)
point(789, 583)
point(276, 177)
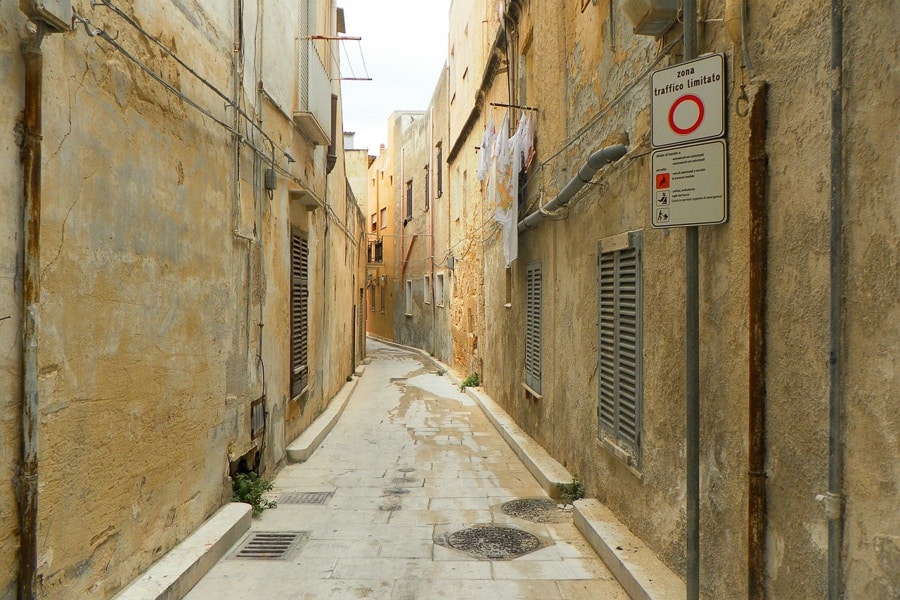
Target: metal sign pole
point(692, 360)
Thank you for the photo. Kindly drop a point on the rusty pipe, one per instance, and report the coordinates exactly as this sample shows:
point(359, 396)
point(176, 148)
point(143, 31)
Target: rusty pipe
point(27, 489)
point(756, 389)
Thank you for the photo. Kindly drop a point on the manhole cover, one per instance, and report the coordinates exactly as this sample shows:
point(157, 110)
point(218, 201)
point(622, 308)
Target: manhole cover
point(538, 510)
point(270, 545)
point(304, 498)
point(493, 543)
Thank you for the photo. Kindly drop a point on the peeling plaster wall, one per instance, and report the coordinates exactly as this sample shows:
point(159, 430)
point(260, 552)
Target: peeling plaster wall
point(150, 324)
point(11, 227)
point(790, 47)
point(415, 329)
point(440, 219)
point(872, 286)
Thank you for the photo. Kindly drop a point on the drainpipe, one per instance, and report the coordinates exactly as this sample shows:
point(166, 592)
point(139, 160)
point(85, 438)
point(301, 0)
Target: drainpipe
point(756, 401)
point(834, 498)
point(597, 160)
point(31, 175)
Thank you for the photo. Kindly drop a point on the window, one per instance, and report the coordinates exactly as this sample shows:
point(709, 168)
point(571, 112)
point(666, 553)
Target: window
point(374, 222)
point(439, 174)
point(409, 204)
point(299, 312)
point(384, 218)
point(427, 199)
point(439, 289)
point(383, 291)
point(533, 290)
point(620, 351)
point(428, 289)
point(408, 298)
point(379, 252)
point(456, 192)
point(372, 289)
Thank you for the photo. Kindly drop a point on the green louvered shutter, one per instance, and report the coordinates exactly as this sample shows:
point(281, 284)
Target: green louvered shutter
point(620, 347)
point(533, 327)
point(299, 313)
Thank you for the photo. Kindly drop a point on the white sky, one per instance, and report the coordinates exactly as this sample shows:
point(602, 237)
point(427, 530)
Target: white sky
point(404, 44)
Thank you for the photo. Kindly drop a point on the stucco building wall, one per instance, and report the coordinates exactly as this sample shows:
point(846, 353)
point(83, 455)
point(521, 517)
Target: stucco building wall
point(161, 266)
point(414, 327)
point(11, 77)
point(581, 61)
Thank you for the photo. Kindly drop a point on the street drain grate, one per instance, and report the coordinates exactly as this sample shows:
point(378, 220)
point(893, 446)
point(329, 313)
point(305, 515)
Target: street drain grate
point(396, 491)
point(406, 470)
point(537, 510)
point(493, 542)
point(270, 545)
point(404, 480)
point(305, 497)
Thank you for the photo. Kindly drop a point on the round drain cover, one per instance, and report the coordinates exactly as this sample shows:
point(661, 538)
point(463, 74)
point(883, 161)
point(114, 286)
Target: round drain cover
point(494, 543)
point(538, 510)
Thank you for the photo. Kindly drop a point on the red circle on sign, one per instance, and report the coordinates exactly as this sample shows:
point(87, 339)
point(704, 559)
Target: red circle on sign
point(692, 128)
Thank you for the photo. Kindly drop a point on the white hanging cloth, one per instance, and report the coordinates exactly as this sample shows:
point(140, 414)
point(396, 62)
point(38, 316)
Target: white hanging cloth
point(503, 191)
point(487, 149)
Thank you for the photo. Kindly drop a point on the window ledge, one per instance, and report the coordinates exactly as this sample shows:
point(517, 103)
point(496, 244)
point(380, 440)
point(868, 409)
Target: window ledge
point(626, 458)
point(533, 393)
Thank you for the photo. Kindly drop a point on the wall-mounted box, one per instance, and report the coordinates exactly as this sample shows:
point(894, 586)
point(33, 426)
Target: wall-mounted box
point(651, 17)
point(55, 14)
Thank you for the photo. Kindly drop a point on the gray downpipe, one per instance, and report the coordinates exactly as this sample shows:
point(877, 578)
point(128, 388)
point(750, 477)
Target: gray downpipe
point(834, 502)
point(31, 173)
point(597, 161)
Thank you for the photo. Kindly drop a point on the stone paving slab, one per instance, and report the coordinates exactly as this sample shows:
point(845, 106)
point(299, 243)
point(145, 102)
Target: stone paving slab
point(407, 428)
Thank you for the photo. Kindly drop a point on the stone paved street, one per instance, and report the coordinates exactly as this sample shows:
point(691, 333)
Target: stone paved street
point(411, 461)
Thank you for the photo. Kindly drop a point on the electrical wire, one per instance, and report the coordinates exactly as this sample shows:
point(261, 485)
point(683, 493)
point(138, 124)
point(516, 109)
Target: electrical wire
point(229, 101)
point(248, 138)
point(609, 106)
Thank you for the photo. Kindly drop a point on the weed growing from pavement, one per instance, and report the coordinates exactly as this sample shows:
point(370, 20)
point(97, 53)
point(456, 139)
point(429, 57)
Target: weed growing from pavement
point(249, 488)
point(570, 492)
point(470, 381)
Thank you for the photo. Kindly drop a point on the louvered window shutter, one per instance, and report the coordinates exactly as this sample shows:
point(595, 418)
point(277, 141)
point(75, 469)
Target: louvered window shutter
point(621, 356)
point(533, 327)
point(299, 313)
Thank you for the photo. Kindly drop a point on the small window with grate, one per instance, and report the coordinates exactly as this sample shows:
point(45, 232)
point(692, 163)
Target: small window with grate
point(299, 312)
point(620, 405)
point(408, 299)
point(533, 291)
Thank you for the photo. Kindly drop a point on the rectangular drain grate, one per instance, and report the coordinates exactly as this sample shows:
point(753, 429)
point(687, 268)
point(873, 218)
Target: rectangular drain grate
point(270, 545)
point(305, 497)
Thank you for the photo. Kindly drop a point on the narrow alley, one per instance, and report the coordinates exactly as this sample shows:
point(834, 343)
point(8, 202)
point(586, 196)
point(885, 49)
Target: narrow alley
point(412, 465)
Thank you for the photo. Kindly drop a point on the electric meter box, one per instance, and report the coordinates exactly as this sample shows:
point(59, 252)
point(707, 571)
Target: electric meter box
point(55, 14)
point(651, 17)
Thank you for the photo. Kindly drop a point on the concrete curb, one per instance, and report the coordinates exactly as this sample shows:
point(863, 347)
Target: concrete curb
point(543, 467)
point(632, 563)
point(173, 576)
point(303, 447)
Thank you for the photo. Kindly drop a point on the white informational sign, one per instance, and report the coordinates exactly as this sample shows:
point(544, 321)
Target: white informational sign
point(689, 185)
point(688, 102)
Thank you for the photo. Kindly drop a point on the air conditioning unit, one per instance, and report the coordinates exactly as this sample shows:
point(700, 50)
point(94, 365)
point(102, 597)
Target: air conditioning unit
point(54, 14)
point(651, 17)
